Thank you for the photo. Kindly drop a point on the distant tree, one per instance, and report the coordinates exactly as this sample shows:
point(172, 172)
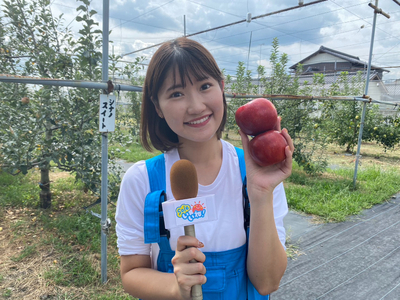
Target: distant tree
point(240, 85)
point(49, 126)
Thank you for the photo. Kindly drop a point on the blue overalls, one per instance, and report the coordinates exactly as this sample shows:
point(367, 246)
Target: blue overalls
point(226, 270)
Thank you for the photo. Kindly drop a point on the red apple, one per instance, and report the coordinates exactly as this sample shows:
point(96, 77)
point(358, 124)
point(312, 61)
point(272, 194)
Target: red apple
point(256, 116)
point(25, 100)
point(268, 148)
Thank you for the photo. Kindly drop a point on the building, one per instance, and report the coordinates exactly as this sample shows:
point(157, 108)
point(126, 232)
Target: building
point(331, 63)
point(327, 60)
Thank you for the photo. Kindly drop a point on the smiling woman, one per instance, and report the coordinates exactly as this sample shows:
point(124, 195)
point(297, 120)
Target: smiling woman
point(193, 111)
point(184, 113)
point(176, 64)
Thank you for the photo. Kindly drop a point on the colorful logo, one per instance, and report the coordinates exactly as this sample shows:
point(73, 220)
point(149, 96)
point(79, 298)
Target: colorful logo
point(191, 212)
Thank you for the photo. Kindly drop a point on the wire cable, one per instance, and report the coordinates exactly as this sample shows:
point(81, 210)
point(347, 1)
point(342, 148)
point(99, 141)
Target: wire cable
point(147, 12)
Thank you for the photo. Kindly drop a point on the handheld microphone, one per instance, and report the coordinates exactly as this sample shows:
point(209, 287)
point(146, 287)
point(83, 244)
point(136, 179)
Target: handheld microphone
point(184, 185)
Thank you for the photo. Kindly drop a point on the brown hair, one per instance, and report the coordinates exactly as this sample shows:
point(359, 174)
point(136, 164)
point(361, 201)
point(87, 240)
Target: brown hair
point(190, 59)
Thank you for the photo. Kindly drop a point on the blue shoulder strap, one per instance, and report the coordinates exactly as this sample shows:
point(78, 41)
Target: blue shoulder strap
point(242, 165)
point(153, 217)
point(156, 170)
point(246, 203)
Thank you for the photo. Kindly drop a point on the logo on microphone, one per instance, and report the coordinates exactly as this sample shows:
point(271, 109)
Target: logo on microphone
point(191, 212)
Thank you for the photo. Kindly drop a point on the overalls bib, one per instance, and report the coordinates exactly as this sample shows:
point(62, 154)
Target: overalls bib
point(226, 270)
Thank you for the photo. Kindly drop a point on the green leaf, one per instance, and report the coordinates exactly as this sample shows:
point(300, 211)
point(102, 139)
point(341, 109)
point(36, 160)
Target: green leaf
point(82, 8)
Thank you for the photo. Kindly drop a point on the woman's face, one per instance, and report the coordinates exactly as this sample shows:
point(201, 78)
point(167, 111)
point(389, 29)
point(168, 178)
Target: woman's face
point(193, 112)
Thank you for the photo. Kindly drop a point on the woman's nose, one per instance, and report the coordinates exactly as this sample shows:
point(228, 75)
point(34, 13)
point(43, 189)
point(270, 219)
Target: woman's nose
point(195, 105)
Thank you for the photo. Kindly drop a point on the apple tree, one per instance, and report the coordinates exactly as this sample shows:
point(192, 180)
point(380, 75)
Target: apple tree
point(298, 116)
point(49, 126)
point(386, 132)
point(343, 118)
point(241, 85)
point(128, 123)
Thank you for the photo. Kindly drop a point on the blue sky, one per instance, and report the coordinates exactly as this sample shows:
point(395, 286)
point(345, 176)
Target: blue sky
point(338, 24)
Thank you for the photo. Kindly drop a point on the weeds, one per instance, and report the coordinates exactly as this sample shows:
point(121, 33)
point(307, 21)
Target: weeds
point(332, 196)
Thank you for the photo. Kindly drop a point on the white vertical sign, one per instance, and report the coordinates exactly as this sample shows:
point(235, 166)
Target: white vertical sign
point(107, 113)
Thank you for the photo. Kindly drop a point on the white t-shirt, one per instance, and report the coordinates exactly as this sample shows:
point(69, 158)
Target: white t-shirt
point(225, 233)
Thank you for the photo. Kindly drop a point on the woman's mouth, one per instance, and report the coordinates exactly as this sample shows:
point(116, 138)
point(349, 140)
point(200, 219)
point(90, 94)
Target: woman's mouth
point(199, 121)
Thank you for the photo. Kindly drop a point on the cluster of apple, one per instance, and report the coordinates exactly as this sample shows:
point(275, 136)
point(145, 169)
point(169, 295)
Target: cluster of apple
point(259, 119)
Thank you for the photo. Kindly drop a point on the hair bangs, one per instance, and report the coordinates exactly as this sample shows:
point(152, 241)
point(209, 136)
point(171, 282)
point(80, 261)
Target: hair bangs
point(188, 68)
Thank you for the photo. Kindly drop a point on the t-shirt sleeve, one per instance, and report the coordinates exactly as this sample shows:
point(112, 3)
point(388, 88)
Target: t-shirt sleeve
point(129, 214)
point(280, 211)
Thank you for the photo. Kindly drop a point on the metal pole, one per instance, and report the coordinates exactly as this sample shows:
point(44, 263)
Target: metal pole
point(104, 151)
point(248, 55)
point(132, 88)
point(67, 83)
point(184, 25)
point(366, 93)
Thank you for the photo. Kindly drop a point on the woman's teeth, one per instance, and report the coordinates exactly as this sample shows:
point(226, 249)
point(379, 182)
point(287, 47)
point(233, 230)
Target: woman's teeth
point(199, 121)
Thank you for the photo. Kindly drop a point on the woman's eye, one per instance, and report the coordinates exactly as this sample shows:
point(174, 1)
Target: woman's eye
point(176, 95)
point(205, 86)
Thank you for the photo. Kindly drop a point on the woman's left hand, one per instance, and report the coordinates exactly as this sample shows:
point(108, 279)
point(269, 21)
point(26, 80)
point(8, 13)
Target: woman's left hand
point(265, 179)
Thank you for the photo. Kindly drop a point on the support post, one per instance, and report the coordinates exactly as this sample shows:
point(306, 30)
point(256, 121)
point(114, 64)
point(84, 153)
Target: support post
point(104, 152)
point(364, 109)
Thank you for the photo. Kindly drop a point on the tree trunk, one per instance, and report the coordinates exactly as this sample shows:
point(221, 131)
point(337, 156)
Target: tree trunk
point(45, 194)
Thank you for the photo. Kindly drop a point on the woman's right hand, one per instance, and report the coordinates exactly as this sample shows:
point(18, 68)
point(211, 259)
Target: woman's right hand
point(188, 273)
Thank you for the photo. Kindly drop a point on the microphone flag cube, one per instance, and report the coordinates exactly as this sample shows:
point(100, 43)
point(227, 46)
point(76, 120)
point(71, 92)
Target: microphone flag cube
point(189, 211)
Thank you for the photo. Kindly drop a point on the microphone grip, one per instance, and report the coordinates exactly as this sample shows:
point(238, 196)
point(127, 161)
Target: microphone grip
point(197, 292)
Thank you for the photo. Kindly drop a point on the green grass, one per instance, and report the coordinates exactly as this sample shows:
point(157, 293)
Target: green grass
point(7, 293)
point(12, 194)
point(28, 251)
point(131, 152)
point(79, 228)
point(73, 270)
point(332, 196)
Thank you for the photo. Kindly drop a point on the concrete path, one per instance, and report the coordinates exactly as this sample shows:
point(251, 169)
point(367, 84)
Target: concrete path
point(356, 259)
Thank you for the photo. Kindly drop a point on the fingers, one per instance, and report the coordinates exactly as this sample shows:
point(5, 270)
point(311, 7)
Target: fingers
point(245, 140)
point(187, 250)
point(278, 124)
point(185, 241)
point(188, 264)
point(245, 143)
point(190, 269)
point(289, 156)
point(288, 149)
point(288, 139)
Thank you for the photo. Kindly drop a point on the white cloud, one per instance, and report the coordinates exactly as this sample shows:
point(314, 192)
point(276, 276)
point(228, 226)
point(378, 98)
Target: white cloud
point(336, 24)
